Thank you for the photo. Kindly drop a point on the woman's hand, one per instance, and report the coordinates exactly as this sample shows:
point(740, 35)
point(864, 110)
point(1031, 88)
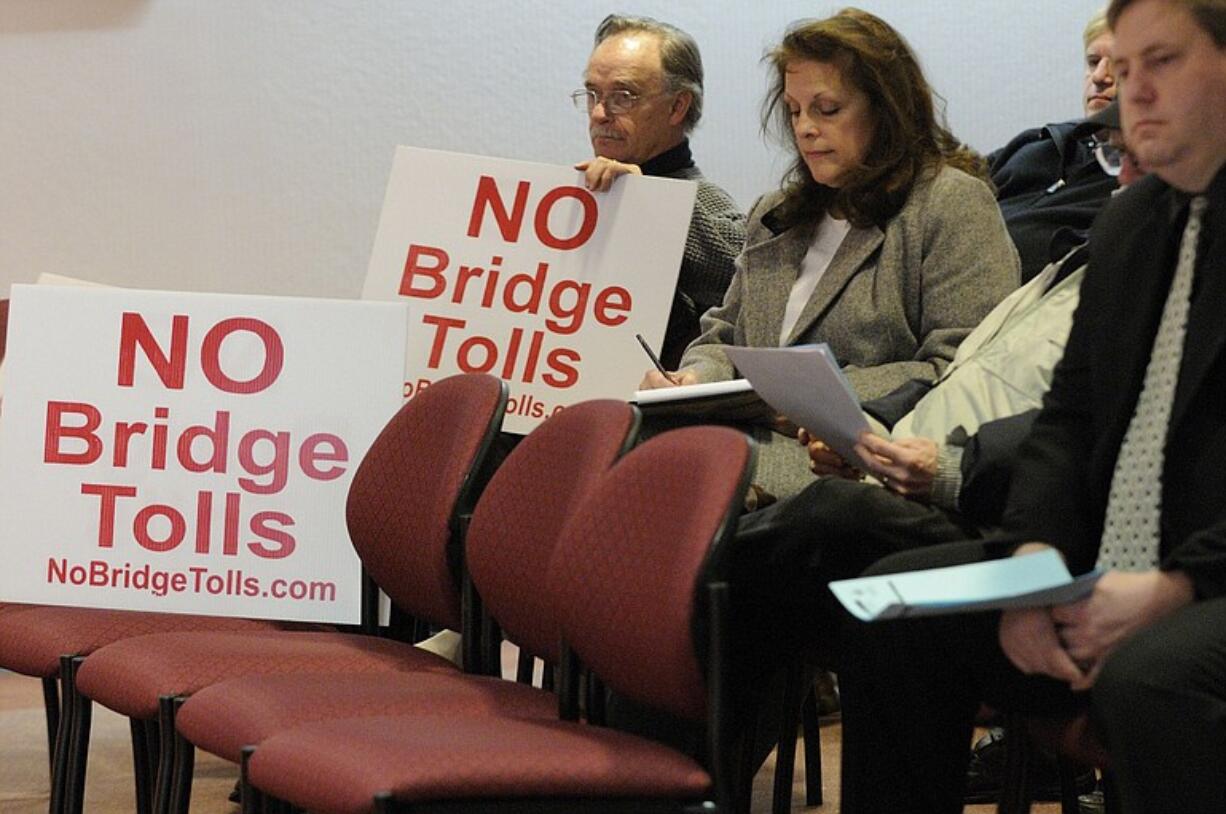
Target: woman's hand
point(654, 379)
point(906, 467)
point(824, 461)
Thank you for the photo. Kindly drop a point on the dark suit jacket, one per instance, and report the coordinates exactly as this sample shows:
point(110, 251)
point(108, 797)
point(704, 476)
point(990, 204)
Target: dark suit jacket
point(1059, 493)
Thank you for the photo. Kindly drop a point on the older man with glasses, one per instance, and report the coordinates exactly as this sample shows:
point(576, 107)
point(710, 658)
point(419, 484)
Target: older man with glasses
point(643, 96)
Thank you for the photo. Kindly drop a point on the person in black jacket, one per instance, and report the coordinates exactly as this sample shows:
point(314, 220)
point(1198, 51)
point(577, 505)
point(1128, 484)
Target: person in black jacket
point(1122, 471)
point(1049, 181)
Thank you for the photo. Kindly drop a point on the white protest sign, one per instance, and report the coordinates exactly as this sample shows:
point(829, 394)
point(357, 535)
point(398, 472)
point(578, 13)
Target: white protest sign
point(516, 270)
point(190, 452)
point(47, 278)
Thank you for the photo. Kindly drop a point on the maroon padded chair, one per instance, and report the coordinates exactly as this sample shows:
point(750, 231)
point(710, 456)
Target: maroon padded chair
point(47, 642)
point(420, 475)
point(50, 686)
point(636, 583)
point(514, 530)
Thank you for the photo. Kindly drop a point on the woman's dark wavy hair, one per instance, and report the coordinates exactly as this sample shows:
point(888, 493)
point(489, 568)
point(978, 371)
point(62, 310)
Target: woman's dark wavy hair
point(910, 135)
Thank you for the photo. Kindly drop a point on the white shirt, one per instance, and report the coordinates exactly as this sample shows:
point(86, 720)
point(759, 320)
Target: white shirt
point(826, 241)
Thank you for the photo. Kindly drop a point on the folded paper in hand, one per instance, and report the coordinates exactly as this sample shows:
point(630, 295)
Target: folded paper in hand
point(1029, 581)
point(806, 384)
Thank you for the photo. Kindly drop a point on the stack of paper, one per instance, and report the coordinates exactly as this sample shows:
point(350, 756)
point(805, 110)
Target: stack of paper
point(805, 383)
point(727, 402)
point(1029, 581)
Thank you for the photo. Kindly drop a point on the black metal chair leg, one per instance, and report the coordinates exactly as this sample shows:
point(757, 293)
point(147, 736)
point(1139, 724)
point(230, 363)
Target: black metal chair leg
point(812, 728)
point(248, 795)
point(549, 676)
point(1068, 772)
point(184, 767)
point(1015, 791)
point(78, 739)
point(281, 807)
point(524, 667)
point(153, 753)
point(166, 740)
point(596, 695)
point(785, 755)
point(141, 763)
point(1111, 795)
point(51, 707)
point(747, 765)
point(59, 759)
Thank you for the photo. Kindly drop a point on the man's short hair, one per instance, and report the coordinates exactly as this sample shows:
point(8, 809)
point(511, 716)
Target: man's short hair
point(679, 56)
point(1210, 15)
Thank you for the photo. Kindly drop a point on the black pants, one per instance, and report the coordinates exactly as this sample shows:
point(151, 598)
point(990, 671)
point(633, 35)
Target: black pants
point(914, 687)
point(783, 557)
point(1160, 708)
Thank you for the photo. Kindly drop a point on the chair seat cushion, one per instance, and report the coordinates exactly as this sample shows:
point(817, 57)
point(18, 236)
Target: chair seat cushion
point(339, 766)
point(130, 675)
point(32, 640)
point(225, 717)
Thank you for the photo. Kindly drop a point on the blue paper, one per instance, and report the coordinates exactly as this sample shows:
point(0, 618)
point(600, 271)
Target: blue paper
point(1032, 580)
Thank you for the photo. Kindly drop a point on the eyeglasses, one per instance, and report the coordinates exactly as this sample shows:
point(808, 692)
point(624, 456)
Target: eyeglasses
point(616, 102)
point(1110, 158)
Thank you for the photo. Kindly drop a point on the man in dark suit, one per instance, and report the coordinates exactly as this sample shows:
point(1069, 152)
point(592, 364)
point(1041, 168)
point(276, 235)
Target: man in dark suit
point(1124, 470)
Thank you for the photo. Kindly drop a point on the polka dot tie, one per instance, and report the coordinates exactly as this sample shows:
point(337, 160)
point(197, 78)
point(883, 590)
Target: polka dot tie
point(1131, 528)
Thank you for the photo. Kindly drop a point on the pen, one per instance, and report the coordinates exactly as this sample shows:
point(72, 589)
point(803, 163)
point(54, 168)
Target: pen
point(655, 360)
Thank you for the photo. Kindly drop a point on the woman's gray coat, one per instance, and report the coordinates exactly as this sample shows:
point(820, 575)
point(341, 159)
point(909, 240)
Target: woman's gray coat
point(893, 304)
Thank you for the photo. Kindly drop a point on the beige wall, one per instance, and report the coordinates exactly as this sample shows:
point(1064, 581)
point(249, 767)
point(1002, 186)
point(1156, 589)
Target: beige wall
point(243, 145)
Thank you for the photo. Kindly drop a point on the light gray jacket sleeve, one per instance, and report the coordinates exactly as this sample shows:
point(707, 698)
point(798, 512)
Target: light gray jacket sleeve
point(967, 264)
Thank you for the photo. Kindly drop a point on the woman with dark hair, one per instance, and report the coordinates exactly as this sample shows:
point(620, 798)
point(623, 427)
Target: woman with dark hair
point(885, 241)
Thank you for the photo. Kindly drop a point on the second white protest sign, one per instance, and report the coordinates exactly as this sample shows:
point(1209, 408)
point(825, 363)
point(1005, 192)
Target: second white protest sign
point(517, 270)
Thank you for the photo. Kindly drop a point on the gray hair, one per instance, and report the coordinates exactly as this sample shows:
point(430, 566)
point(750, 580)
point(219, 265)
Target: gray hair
point(679, 56)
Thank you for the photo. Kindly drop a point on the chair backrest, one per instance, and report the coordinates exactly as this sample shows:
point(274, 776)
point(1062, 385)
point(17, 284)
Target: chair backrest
point(629, 574)
point(405, 494)
point(523, 509)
